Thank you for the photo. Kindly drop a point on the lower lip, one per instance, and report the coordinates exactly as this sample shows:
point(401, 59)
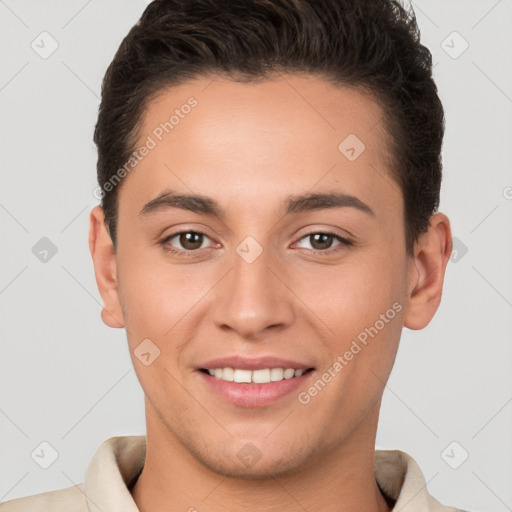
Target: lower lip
point(254, 395)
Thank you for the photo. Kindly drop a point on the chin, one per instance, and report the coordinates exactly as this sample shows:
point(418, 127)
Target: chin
point(262, 470)
point(251, 463)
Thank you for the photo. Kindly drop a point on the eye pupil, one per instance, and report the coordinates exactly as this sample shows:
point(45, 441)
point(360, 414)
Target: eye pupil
point(191, 240)
point(324, 239)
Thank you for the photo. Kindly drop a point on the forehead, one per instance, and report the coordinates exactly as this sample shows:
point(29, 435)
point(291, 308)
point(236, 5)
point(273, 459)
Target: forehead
point(216, 135)
point(305, 105)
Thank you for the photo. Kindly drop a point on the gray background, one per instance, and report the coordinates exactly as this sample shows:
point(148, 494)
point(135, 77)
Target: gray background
point(68, 380)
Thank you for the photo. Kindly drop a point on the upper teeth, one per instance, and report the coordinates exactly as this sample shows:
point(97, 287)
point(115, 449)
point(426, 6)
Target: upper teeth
point(257, 376)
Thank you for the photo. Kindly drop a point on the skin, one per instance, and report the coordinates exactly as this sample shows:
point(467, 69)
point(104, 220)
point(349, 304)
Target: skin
point(250, 146)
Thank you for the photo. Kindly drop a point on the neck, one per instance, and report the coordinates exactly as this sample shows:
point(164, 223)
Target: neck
point(339, 481)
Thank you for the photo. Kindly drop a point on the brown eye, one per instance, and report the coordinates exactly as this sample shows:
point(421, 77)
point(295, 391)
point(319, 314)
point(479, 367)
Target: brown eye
point(324, 242)
point(191, 240)
point(184, 242)
point(321, 241)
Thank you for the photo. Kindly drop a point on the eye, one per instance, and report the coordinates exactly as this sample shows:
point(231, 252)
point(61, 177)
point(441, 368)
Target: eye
point(189, 241)
point(323, 242)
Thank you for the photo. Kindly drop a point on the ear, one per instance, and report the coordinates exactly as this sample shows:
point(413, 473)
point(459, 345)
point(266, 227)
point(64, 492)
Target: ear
point(428, 264)
point(104, 260)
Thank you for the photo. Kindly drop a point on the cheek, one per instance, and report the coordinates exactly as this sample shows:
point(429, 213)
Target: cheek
point(367, 323)
point(156, 301)
point(363, 303)
point(351, 296)
point(155, 296)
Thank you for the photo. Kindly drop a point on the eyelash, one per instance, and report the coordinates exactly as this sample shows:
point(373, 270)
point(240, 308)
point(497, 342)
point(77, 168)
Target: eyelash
point(343, 245)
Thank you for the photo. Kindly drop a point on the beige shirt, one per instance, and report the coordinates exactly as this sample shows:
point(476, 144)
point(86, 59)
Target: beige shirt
point(118, 461)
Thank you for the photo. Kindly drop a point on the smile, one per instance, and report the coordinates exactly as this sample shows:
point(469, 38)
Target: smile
point(260, 376)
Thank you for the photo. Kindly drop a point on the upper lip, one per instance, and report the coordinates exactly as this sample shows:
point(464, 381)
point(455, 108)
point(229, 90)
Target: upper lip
point(255, 363)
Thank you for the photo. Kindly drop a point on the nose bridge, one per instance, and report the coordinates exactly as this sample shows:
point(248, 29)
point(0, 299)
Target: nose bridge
point(251, 297)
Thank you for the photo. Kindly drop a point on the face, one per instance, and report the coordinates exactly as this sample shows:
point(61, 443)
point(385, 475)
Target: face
point(292, 258)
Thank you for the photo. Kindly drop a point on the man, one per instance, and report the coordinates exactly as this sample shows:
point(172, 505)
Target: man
point(270, 175)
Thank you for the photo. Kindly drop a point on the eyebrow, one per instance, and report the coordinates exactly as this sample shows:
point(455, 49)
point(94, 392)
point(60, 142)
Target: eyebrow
point(293, 204)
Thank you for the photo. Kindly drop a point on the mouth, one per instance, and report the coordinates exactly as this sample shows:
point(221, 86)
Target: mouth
point(253, 382)
point(259, 376)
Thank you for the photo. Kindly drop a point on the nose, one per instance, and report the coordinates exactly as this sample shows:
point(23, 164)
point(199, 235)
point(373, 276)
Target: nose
point(253, 298)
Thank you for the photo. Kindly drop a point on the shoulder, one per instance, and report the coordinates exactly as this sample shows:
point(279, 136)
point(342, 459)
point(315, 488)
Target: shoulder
point(70, 499)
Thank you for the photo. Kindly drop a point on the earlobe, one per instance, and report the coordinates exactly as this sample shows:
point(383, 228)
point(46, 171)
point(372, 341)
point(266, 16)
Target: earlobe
point(104, 260)
point(431, 255)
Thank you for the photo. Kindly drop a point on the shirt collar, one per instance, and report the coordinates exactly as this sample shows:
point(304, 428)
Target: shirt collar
point(400, 479)
point(110, 473)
